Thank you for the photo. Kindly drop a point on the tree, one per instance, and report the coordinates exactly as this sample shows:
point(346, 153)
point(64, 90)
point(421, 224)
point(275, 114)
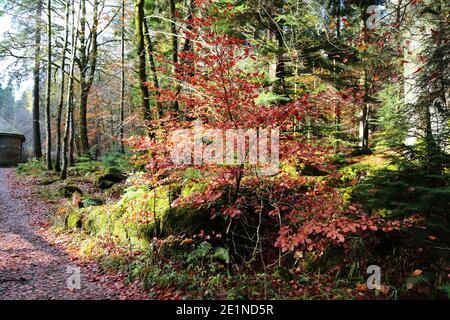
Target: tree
point(37, 146)
point(87, 63)
point(174, 36)
point(67, 149)
point(151, 57)
point(49, 87)
point(431, 107)
point(122, 78)
point(140, 45)
point(62, 69)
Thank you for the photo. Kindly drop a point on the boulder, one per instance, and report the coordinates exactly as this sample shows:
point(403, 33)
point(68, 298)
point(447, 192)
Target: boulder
point(74, 220)
point(110, 177)
point(68, 190)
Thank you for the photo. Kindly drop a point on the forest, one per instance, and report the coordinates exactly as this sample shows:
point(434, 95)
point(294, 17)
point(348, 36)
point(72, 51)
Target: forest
point(226, 149)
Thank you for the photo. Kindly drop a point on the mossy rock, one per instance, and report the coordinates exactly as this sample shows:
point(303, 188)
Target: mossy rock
point(68, 190)
point(97, 220)
point(109, 178)
point(117, 219)
point(74, 220)
point(189, 221)
point(115, 192)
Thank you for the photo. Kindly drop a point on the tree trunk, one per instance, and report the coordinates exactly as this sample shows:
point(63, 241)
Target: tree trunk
point(88, 65)
point(364, 127)
point(122, 80)
point(338, 21)
point(49, 87)
point(188, 43)
point(72, 137)
point(364, 117)
point(174, 32)
point(37, 146)
point(138, 19)
point(364, 114)
point(276, 27)
point(82, 127)
point(62, 89)
point(151, 58)
point(69, 102)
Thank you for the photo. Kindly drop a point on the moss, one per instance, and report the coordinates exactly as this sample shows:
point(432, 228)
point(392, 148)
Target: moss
point(68, 190)
point(142, 198)
point(192, 187)
point(113, 171)
point(33, 167)
point(74, 220)
point(109, 178)
point(96, 221)
point(289, 169)
point(48, 181)
point(130, 233)
point(122, 219)
point(187, 221)
point(109, 220)
point(115, 192)
point(86, 167)
point(104, 184)
point(119, 219)
point(353, 172)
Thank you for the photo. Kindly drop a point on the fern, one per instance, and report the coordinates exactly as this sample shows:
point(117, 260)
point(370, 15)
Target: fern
point(446, 289)
point(203, 250)
point(413, 281)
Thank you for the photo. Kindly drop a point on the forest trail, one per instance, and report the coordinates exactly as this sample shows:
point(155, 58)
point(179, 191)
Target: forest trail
point(30, 266)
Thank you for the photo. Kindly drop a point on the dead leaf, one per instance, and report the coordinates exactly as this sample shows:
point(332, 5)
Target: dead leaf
point(361, 287)
point(187, 242)
point(417, 272)
point(384, 289)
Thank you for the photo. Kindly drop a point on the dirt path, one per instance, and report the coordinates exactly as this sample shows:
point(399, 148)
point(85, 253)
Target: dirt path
point(31, 266)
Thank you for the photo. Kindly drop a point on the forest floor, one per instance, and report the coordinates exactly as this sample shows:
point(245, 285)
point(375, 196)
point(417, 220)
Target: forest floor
point(44, 235)
point(34, 264)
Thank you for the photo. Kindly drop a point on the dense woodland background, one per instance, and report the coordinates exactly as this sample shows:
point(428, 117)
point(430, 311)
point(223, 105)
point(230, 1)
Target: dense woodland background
point(360, 96)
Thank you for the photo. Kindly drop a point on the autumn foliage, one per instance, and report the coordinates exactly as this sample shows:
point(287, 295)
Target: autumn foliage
point(291, 213)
